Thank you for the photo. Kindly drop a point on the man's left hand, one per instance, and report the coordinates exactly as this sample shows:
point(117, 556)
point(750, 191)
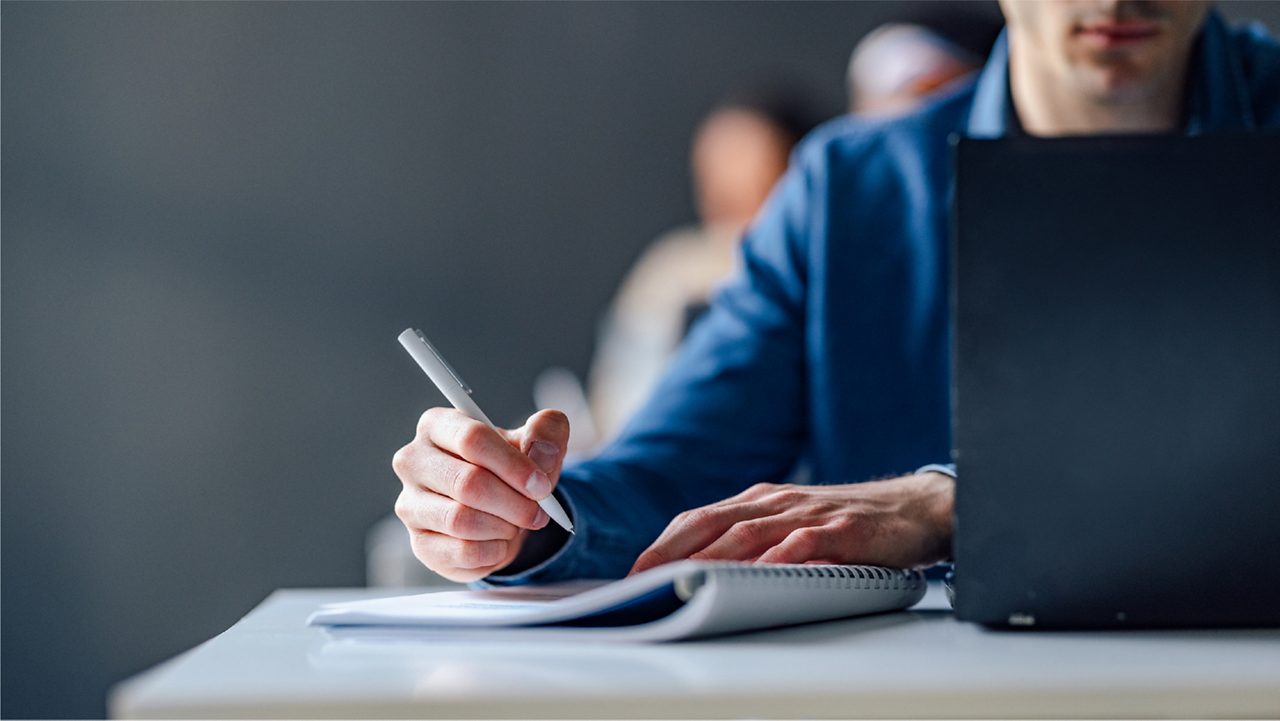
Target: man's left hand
point(902, 522)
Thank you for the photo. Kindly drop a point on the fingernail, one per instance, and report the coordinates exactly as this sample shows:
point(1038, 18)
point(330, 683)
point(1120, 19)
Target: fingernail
point(544, 454)
point(541, 520)
point(538, 485)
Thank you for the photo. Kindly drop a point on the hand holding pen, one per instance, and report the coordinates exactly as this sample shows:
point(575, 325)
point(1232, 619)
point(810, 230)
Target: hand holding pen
point(473, 492)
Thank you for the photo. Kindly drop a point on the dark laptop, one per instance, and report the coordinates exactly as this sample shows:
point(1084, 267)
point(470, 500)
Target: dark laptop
point(1117, 375)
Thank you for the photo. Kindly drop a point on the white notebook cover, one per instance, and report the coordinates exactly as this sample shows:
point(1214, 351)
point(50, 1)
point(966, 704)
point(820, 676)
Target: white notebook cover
point(686, 599)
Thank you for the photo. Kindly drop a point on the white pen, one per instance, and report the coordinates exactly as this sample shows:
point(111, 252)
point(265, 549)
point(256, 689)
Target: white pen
point(459, 394)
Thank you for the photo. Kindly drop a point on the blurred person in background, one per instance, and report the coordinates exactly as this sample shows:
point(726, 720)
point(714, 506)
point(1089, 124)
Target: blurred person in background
point(897, 66)
point(739, 151)
point(829, 344)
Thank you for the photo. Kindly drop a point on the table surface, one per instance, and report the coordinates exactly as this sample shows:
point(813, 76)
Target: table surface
point(918, 663)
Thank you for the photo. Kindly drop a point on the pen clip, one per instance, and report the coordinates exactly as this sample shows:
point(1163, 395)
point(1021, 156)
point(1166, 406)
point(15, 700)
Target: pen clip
point(461, 383)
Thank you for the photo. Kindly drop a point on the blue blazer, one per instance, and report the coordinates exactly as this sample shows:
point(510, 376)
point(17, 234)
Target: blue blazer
point(829, 348)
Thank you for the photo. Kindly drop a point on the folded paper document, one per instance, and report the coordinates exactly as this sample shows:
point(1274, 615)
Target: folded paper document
point(687, 599)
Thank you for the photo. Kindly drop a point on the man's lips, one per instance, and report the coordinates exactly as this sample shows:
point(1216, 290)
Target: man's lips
point(1119, 33)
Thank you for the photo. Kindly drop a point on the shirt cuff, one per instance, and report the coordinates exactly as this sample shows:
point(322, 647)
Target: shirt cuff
point(532, 573)
point(946, 469)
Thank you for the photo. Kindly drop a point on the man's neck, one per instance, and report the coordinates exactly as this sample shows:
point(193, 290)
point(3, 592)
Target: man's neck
point(1048, 107)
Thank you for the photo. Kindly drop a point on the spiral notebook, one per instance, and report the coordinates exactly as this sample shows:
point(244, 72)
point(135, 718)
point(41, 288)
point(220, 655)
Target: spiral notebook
point(687, 599)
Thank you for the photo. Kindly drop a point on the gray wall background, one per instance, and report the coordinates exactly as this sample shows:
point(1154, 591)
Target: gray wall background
point(216, 219)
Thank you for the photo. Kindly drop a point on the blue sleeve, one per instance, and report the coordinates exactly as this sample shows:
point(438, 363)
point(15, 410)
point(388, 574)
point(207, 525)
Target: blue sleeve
point(729, 412)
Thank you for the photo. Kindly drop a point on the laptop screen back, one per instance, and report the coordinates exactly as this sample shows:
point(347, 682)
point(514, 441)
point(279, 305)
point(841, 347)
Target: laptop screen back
point(1117, 376)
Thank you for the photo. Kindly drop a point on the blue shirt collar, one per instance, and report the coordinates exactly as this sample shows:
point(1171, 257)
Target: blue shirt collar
point(1217, 94)
point(989, 114)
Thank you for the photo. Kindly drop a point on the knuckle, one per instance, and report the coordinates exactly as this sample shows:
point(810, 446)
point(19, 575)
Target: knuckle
point(402, 461)
point(851, 529)
point(424, 550)
point(745, 533)
point(763, 488)
point(469, 484)
point(804, 541)
point(788, 496)
point(402, 509)
point(458, 520)
point(419, 541)
point(477, 554)
point(427, 420)
point(844, 526)
point(697, 517)
point(470, 438)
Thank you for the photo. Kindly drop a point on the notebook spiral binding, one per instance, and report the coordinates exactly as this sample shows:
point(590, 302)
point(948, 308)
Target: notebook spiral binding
point(874, 577)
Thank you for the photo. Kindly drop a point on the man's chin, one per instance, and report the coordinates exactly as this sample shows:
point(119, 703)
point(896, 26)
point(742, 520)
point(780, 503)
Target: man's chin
point(1120, 82)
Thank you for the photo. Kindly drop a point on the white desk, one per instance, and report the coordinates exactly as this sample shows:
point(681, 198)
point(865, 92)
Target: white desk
point(915, 664)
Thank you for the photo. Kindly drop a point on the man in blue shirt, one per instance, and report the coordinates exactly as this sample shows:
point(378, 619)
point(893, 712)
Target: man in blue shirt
point(829, 348)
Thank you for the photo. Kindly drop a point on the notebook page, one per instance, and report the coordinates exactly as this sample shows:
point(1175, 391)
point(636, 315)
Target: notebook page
point(514, 606)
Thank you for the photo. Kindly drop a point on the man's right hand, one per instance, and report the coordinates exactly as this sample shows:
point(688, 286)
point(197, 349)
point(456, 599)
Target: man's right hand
point(470, 492)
